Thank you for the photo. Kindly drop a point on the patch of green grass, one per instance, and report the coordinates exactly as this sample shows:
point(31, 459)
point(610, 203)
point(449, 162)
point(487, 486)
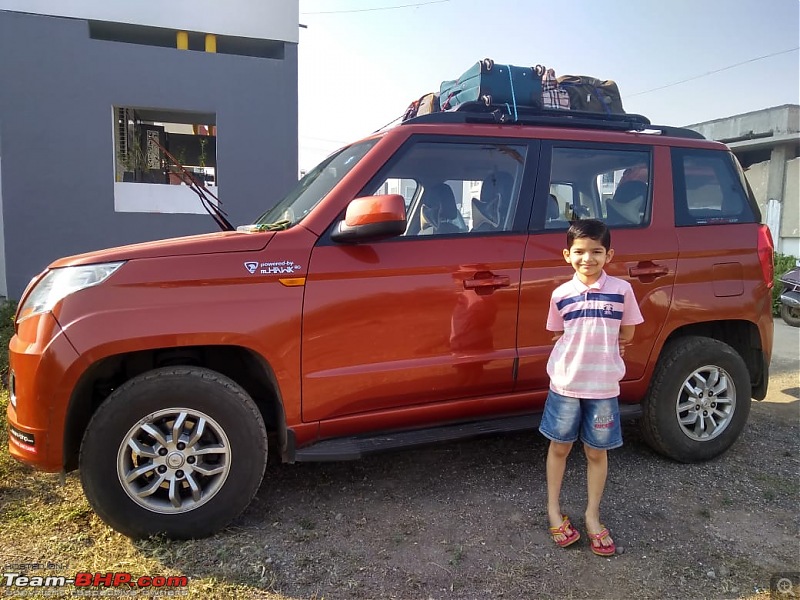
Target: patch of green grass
point(306, 523)
point(782, 263)
point(8, 309)
point(456, 555)
point(779, 485)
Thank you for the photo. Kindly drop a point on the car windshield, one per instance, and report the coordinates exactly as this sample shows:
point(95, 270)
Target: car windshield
point(312, 188)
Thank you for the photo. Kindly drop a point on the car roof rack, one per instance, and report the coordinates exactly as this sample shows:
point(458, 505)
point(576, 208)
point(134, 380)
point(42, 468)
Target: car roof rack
point(479, 112)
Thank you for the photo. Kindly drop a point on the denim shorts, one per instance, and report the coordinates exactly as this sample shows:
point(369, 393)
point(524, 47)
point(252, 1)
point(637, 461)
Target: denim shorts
point(597, 421)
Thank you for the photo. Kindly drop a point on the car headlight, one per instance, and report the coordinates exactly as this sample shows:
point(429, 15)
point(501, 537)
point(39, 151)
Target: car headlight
point(59, 283)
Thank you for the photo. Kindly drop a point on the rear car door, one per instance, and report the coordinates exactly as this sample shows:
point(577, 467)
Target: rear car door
point(430, 316)
point(629, 187)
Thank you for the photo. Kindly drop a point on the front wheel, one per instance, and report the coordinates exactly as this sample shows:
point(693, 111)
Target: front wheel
point(791, 315)
point(698, 401)
point(178, 451)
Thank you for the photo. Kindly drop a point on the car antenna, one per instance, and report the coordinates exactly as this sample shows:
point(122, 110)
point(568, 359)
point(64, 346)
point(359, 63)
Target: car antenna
point(212, 208)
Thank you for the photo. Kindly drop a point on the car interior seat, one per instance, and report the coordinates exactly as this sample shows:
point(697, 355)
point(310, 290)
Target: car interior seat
point(628, 204)
point(554, 220)
point(489, 212)
point(439, 211)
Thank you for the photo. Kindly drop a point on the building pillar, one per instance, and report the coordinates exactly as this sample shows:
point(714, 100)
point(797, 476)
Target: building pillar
point(775, 183)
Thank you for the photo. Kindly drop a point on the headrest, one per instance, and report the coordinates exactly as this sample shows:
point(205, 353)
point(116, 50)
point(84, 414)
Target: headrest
point(489, 210)
point(441, 195)
point(553, 211)
point(629, 191)
point(438, 204)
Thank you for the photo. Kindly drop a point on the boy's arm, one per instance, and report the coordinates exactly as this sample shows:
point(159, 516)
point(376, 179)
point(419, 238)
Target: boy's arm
point(625, 337)
point(556, 335)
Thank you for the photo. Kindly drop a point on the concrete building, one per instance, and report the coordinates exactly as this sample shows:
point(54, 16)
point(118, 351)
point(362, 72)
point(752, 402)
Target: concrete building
point(767, 143)
point(90, 90)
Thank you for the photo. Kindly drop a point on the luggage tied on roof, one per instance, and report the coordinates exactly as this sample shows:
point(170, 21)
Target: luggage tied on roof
point(511, 87)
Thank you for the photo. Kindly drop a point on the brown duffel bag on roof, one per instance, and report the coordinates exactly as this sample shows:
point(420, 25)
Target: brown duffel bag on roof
point(592, 95)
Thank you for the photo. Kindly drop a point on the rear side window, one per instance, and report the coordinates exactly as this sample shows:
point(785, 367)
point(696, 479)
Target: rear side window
point(607, 183)
point(708, 189)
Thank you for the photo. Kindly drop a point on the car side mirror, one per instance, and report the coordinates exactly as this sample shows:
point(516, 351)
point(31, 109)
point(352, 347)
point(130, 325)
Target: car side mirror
point(372, 218)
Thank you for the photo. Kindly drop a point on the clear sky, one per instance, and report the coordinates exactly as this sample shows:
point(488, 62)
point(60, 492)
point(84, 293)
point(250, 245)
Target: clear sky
point(362, 61)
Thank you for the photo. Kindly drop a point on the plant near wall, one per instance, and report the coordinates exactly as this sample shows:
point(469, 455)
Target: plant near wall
point(8, 309)
point(203, 155)
point(782, 264)
point(135, 159)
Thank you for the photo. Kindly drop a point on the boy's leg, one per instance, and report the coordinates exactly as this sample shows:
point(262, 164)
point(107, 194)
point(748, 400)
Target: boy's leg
point(596, 473)
point(556, 464)
point(560, 424)
point(600, 432)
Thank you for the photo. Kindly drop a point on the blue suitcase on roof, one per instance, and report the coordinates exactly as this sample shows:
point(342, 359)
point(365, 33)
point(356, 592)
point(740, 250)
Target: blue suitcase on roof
point(496, 84)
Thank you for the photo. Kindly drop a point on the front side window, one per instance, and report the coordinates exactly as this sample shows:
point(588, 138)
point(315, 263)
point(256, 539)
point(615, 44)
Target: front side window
point(457, 188)
point(709, 189)
point(601, 183)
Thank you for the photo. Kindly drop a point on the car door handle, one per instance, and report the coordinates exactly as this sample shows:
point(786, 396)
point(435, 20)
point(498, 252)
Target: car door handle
point(648, 270)
point(494, 281)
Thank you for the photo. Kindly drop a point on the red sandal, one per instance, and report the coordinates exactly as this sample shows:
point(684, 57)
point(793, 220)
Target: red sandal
point(568, 539)
point(599, 549)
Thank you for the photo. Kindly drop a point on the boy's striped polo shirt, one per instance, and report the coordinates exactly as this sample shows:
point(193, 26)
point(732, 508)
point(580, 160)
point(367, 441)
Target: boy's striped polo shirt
point(585, 362)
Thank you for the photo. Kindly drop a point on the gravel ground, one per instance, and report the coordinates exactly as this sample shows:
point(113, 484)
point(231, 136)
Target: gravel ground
point(467, 520)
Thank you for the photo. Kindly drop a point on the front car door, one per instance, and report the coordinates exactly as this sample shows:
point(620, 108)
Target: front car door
point(430, 317)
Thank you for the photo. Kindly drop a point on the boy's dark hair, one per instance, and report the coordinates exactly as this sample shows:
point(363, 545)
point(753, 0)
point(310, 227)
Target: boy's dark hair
point(589, 228)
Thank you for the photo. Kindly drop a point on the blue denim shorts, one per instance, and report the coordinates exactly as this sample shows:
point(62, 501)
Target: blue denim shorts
point(597, 421)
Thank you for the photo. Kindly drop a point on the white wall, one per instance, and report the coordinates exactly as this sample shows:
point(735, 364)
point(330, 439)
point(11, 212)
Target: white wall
point(787, 240)
point(790, 221)
point(758, 176)
point(261, 19)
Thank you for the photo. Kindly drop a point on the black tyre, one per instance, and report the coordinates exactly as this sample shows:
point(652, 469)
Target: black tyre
point(178, 451)
point(698, 401)
point(790, 315)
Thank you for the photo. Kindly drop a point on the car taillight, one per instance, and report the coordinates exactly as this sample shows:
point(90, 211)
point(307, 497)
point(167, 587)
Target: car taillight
point(765, 254)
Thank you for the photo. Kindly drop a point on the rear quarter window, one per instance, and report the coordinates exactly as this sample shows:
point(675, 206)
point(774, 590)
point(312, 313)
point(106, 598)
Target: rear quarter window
point(709, 190)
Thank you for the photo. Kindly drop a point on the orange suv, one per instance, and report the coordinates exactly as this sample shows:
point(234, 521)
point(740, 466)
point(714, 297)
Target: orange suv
point(396, 297)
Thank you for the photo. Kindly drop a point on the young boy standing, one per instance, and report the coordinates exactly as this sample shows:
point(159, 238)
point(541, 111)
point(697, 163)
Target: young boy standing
point(593, 316)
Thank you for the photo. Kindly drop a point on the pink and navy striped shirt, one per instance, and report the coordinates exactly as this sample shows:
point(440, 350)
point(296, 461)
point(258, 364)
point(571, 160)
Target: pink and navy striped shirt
point(585, 362)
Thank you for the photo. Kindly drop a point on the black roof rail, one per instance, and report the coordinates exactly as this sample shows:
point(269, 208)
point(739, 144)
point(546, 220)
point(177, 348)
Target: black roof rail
point(479, 112)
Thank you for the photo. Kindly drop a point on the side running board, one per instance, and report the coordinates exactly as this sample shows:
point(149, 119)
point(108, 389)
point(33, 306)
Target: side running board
point(353, 448)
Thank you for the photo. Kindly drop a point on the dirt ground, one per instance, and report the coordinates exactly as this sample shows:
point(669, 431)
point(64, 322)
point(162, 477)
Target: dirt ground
point(467, 520)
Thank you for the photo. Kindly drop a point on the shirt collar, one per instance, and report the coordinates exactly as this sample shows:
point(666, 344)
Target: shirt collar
point(597, 285)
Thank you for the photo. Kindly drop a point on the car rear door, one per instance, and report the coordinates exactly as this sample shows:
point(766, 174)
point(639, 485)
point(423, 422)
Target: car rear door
point(586, 179)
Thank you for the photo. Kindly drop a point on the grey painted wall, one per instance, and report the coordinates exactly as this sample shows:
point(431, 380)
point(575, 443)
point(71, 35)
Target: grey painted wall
point(57, 90)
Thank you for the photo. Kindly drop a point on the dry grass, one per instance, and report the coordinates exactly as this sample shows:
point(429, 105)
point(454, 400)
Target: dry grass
point(44, 522)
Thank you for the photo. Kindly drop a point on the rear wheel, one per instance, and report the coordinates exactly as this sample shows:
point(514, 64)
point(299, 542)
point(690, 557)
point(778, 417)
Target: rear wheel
point(791, 315)
point(698, 401)
point(178, 451)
